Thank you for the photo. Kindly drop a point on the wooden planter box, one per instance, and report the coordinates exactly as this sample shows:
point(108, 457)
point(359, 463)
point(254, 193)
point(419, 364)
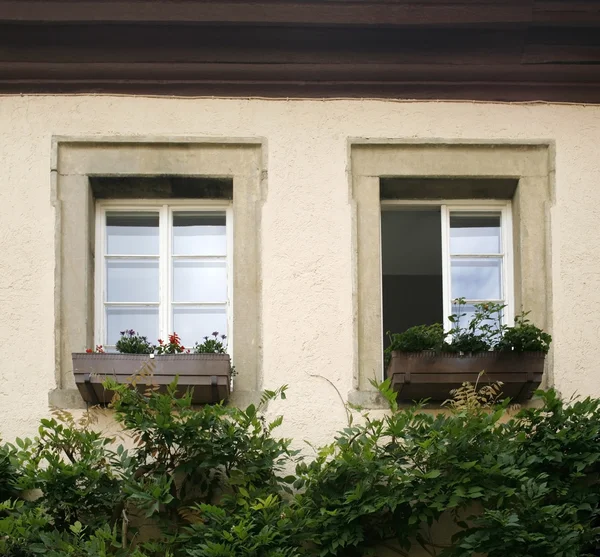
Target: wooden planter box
point(419, 375)
point(207, 374)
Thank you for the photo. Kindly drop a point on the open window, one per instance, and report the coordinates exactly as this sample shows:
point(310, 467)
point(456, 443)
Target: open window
point(457, 184)
point(434, 253)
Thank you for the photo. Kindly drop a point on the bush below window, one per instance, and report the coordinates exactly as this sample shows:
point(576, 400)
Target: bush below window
point(215, 482)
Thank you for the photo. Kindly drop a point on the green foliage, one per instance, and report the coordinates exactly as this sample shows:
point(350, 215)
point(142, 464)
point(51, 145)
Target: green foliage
point(524, 337)
point(8, 473)
point(212, 345)
point(172, 346)
point(211, 482)
point(72, 467)
point(29, 531)
point(91, 493)
point(132, 342)
point(185, 456)
point(415, 339)
point(483, 332)
point(524, 485)
point(254, 527)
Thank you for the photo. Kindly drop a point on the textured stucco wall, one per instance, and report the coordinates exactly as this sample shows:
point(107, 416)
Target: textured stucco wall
point(306, 244)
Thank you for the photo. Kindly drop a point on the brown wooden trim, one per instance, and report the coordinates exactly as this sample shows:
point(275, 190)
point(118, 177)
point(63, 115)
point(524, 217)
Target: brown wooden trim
point(315, 12)
point(495, 50)
point(230, 44)
point(546, 75)
point(309, 12)
point(566, 12)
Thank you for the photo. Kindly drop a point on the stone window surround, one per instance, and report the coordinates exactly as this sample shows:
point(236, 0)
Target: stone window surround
point(74, 160)
point(531, 163)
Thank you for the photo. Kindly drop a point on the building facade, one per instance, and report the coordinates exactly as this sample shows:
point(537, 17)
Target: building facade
point(324, 152)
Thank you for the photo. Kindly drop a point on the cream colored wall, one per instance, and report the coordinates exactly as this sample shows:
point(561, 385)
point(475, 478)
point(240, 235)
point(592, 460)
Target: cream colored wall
point(306, 244)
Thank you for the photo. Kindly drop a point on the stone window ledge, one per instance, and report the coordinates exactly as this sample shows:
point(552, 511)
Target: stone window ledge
point(70, 399)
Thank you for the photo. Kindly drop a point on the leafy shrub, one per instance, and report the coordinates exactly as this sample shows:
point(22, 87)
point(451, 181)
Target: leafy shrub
point(74, 469)
point(8, 474)
point(28, 531)
point(185, 456)
point(394, 477)
point(212, 482)
point(257, 528)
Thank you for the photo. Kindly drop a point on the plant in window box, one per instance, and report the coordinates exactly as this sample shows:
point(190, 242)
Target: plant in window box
point(425, 362)
point(524, 337)
point(416, 339)
point(133, 343)
point(206, 370)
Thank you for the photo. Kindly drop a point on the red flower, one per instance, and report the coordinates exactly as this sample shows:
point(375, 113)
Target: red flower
point(89, 351)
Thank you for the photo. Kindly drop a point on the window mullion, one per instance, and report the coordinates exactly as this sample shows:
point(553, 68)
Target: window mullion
point(446, 283)
point(456, 256)
point(164, 265)
point(100, 272)
point(229, 267)
point(507, 264)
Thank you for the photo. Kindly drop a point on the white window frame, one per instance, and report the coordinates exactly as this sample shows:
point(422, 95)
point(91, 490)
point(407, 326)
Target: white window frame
point(468, 205)
point(165, 255)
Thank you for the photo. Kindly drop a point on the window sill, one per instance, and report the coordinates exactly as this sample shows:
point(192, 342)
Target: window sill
point(368, 400)
point(71, 399)
point(66, 399)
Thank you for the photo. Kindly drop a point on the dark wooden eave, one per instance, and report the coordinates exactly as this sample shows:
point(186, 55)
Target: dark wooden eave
point(502, 50)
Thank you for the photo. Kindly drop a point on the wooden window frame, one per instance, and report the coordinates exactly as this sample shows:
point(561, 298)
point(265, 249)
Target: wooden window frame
point(165, 255)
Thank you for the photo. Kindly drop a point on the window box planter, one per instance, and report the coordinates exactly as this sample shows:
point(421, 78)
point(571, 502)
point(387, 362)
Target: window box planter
point(207, 374)
point(428, 374)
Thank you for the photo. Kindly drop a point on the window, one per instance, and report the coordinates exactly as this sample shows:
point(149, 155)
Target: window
point(162, 268)
point(433, 253)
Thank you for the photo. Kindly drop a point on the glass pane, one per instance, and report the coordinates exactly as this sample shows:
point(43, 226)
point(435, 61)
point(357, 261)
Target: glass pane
point(477, 279)
point(469, 311)
point(131, 233)
point(199, 233)
point(193, 323)
point(144, 320)
point(474, 233)
point(132, 280)
point(199, 281)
